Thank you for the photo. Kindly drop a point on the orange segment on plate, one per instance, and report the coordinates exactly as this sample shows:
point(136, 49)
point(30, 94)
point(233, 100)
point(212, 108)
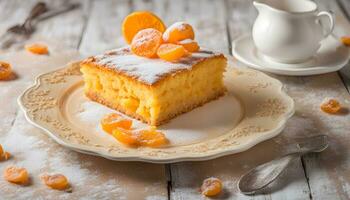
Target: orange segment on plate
point(16, 175)
point(171, 52)
point(138, 21)
point(37, 48)
point(152, 138)
point(146, 42)
point(56, 181)
point(177, 32)
point(5, 70)
point(113, 121)
point(126, 137)
point(189, 45)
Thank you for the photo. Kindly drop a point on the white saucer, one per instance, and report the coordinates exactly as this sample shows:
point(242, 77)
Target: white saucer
point(331, 57)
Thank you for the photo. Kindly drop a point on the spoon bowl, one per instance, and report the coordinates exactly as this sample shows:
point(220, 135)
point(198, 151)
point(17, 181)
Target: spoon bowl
point(261, 176)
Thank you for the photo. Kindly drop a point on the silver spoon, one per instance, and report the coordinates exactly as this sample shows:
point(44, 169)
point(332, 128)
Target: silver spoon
point(261, 176)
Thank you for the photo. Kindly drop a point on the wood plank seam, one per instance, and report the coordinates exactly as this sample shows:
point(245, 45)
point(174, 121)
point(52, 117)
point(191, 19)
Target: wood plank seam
point(169, 179)
point(345, 76)
point(306, 176)
point(86, 21)
point(227, 24)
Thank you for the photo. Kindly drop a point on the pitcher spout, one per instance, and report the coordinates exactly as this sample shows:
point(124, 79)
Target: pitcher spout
point(260, 5)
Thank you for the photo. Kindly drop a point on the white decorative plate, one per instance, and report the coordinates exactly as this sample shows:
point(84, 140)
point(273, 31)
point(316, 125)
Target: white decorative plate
point(254, 109)
point(331, 57)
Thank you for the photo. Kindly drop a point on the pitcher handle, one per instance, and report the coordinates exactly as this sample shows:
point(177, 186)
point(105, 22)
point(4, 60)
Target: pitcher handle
point(329, 15)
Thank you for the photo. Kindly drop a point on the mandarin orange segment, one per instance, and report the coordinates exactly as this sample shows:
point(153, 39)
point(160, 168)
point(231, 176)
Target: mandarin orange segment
point(171, 52)
point(56, 181)
point(5, 70)
point(152, 138)
point(37, 48)
point(137, 21)
point(1, 150)
point(177, 32)
point(6, 156)
point(126, 137)
point(211, 187)
point(16, 175)
point(346, 40)
point(113, 121)
point(189, 45)
point(331, 106)
point(146, 42)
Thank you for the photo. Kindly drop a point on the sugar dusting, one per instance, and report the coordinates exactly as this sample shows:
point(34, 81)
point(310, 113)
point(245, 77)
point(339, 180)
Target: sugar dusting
point(148, 70)
point(188, 128)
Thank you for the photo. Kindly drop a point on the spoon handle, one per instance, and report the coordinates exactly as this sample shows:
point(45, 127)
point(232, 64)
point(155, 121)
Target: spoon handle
point(39, 9)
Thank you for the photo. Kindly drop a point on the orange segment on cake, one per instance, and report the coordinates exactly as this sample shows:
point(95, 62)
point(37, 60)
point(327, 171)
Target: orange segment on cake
point(153, 90)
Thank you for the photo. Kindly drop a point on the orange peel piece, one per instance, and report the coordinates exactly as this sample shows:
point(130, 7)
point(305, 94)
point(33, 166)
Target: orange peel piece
point(345, 40)
point(146, 42)
point(126, 137)
point(152, 138)
point(1, 150)
point(112, 121)
point(331, 106)
point(189, 45)
point(16, 175)
point(5, 70)
point(177, 32)
point(171, 52)
point(37, 48)
point(56, 181)
point(211, 187)
point(137, 21)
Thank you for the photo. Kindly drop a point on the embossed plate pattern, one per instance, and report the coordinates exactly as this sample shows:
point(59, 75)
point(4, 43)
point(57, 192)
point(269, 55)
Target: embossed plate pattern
point(266, 109)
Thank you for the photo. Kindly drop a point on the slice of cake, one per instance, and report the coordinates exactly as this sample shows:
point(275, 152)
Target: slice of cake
point(153, 90)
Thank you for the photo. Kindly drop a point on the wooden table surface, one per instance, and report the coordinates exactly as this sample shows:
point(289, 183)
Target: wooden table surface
point(95, 27)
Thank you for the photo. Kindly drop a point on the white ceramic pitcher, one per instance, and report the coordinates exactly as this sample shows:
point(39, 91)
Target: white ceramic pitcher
point(289, 31)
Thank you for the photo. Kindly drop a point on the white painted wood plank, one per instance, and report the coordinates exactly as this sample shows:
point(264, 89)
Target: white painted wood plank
point(187, 177)
point(14, 12)
point(103, 32)
point(328, 173)
point(91, 177)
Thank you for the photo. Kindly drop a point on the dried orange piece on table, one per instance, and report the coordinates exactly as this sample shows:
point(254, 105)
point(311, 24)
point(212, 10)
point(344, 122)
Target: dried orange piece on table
point(56, 181)
point(152, 138)
point(126, 137)
point(16, 175)
point(346, 40)
point(211, 187)
point(146, 42)
point(171, 52)
point(112, 121)
point(1, 150)
point(177, 32)
point(331, 106)
point(189, 45)
point(4, 155)
point(5, 70)
point(37, 48)
point(137, 21)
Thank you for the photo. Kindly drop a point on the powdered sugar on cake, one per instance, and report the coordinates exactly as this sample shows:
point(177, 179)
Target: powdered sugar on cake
point(147, 70)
